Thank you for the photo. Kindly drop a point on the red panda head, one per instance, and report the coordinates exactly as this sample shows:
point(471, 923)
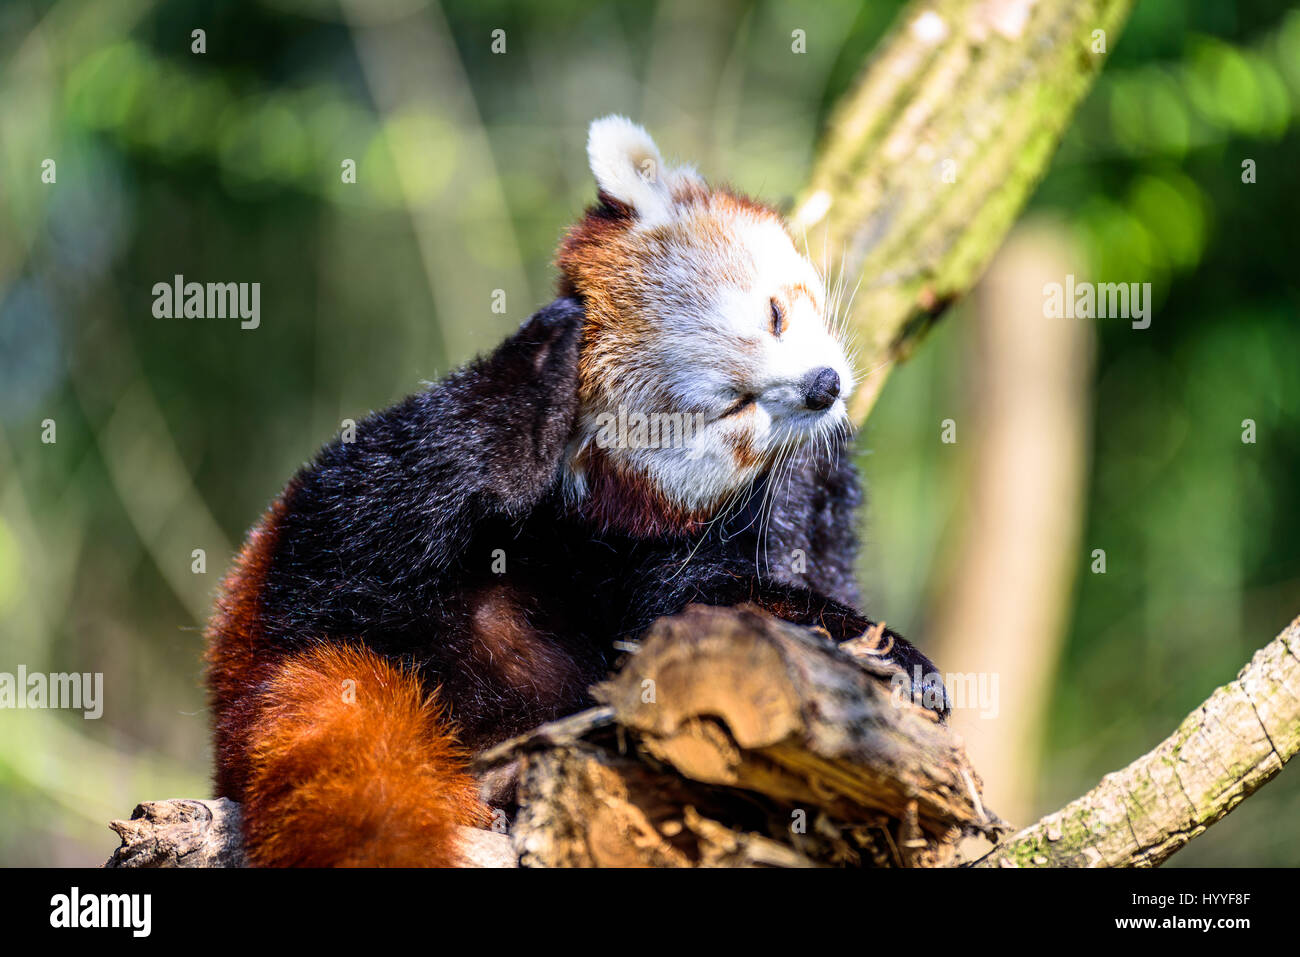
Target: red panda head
point(708, 353)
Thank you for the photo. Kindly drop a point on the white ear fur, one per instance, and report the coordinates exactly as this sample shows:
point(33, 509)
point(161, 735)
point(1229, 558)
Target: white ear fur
point(628, 167)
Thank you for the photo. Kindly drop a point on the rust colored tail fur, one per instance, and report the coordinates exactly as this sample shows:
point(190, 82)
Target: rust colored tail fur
point(339, 756)
point(352, 764)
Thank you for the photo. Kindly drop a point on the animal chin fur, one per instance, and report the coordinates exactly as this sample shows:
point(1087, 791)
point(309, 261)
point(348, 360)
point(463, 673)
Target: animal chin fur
point(678, 282)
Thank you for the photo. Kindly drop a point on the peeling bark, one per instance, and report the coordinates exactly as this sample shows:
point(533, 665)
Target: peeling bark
point(193, 833)
point(762, 744)
point(730, 738)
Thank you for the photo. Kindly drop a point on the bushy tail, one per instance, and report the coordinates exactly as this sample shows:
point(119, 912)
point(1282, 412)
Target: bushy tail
point(352, 763)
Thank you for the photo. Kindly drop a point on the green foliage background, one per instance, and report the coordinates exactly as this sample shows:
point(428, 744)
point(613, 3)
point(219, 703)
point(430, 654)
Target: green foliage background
point(225, 167)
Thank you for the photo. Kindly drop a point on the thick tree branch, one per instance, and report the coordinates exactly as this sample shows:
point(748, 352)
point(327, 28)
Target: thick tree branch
point(1221, 753)
point(732, 739)
point(928, 161)
point(729, 738)
point(742, 739)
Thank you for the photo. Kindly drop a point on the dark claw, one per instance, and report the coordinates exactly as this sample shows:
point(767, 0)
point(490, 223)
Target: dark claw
point(931, 694)
point(916, 678)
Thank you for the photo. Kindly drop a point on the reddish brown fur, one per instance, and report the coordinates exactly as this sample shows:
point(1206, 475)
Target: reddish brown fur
point(509, 646)
point(617, 499)
point(742, 451)
point(602, 262)
point(799, 289)
point(377, 781)
point(319, 776)
point(236, 654)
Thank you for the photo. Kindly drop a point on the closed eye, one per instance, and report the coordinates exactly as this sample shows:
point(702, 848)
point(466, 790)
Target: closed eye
point(742, 402)
point(778, 318)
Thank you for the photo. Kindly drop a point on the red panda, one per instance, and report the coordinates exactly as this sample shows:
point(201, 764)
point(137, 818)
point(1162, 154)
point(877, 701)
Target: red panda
point(461, 571)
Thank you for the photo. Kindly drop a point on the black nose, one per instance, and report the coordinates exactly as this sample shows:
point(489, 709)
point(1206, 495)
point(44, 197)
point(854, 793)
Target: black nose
point(823, 388)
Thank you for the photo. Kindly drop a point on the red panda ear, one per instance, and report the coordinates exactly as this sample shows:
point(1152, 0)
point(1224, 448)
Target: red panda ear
point(629, 169)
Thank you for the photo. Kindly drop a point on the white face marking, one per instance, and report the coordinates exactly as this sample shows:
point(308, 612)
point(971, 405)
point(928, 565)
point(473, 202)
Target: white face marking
point(686, 333)
point(712, 354)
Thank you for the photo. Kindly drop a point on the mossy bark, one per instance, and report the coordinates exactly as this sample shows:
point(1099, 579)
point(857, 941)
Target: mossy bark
point(1222, 752)
point(930, 158)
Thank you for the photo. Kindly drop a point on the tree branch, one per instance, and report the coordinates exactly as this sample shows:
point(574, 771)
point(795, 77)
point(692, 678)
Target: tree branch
point(928, 161)
point(729, 738)
point(193, 833)
point(743, 739)
point(1221, 753)
point(734, 739)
